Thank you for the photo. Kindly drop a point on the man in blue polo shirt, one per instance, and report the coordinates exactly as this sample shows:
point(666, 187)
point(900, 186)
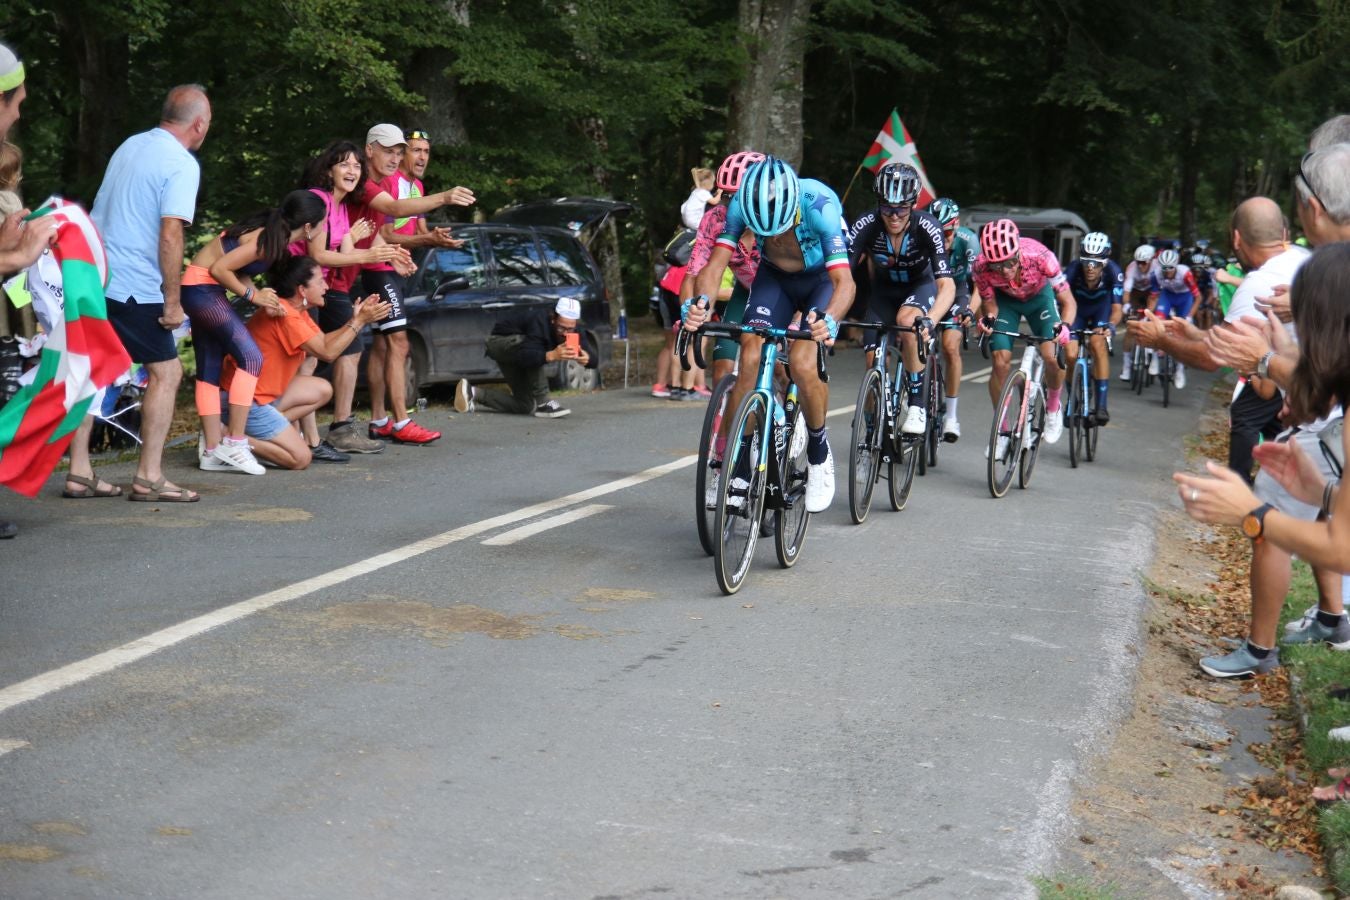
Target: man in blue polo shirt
point(148, 195)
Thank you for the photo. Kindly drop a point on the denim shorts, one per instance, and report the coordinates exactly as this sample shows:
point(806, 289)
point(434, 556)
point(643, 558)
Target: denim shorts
point(265, 421)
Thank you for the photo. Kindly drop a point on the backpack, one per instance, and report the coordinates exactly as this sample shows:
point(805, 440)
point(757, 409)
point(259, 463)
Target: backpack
point(679, 248)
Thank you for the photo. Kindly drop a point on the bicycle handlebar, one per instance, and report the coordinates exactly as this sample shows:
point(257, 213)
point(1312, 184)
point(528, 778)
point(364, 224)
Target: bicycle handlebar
point(1029, 338)
point(898, 329)
point(732, 329)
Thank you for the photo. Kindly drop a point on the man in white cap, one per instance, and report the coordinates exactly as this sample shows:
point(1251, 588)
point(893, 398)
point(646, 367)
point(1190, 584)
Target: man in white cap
point(522, 345)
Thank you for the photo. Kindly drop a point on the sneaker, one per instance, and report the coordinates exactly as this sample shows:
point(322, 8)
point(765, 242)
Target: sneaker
point(380, 432)
point(700, 393)
point(1309, 616)
point(347, 439)
point(661, 390)
point(681, 394)
point(1002, 449)
point(820, 485)
point(464, 394)
point(916, 420)
point(325, 452)
point(1153, 364)
point(1315, 632)
point(1239, 662)
point(234, 458)
point(710, 492)
point(1102, 415)
point(412, 433)
point(1054, 426)
point(551, 410)
point(951, 431)
point(1179, 378)
point(1126, 373)
point(1340, 734)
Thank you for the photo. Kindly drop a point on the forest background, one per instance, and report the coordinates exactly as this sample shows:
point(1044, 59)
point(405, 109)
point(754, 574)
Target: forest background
point(1146, 119)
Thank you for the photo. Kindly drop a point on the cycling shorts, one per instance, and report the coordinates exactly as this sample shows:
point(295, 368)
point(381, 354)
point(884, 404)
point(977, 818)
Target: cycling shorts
point(885, 304)
point(776, 296)
point(1039, 310)
point(1178, 306)
point(389, 285)
point(1089, 314)
point(733, 311)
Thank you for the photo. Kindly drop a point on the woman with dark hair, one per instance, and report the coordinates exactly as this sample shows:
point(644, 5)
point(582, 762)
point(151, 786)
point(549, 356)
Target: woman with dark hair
point(1318, 388)
point(229, 263)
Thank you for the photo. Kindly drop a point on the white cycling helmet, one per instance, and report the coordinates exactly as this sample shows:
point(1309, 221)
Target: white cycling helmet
point(1168, 259)
point(1096, 245)
point(1144, 253)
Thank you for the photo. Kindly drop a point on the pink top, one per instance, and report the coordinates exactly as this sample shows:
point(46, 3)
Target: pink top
point(1039, 268)
point(744, 262)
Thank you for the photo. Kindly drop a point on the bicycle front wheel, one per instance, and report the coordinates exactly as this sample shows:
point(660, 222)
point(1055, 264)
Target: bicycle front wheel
point(712, 419)
point(740, 499)
point(906, 454)
point(1166, 366)
point(869, 418)
point(1139, 371)
point(1076, 414)
point(1005, 435)
point(1032, 448)
point(792, 518)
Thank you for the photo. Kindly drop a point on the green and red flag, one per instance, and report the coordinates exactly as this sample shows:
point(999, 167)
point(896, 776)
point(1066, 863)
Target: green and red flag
point(82, 354)
point(894, 144)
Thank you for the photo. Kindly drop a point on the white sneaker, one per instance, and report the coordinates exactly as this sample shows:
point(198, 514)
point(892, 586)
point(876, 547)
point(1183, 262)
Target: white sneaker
point(710, 492)
point(1054, 426)
point(1126, 373)
point(916, 420)
point(1299, 624)
point(464, 396)
point(820, 485)
point(1153, 364)
point(237, 457)
point(951, 431)
point(1002, 448)
point(1179, 379)
point(1340, 734)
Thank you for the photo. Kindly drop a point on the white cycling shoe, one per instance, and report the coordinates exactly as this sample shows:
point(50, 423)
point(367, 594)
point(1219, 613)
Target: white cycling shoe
point(820, 485)
point(916, 420)
point(1054, 426)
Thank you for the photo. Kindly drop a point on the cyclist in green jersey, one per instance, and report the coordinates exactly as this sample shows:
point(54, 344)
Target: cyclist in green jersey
point(963, 247)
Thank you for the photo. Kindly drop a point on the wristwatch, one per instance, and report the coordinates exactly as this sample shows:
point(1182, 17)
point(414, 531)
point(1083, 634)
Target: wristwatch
point(1254, 523)
point(1263, 367)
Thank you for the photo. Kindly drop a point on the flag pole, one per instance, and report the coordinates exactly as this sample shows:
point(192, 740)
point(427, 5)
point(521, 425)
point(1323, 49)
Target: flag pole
point(844, 202)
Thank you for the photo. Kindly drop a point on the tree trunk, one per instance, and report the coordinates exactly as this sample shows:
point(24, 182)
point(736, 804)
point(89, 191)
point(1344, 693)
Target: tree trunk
point(443, 115)
point(766, 106)
point(101, 62)
point(1190, 180)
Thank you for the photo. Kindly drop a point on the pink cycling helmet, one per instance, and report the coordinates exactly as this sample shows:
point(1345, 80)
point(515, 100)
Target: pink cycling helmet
point(1000, 240)
point(733, 167)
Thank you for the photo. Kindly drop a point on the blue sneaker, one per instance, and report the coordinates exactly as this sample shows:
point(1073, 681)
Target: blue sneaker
point(1315, 632)
point(1240, 662)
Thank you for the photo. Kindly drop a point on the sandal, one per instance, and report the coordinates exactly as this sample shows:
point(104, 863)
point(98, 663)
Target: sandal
point(1328, 796)
point(90, 489)
point(157, 492)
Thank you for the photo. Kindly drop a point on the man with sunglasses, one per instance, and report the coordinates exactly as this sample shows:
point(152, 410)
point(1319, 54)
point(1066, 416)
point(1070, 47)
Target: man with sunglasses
point(963, 247)
point(899, 255)
point(1098, 287)
point(1172, 292)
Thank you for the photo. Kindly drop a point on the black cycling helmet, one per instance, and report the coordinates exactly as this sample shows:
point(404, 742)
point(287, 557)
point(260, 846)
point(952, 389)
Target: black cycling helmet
point(896, 183)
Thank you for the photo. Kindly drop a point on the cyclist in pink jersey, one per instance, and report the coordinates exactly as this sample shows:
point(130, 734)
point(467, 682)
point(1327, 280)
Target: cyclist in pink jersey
point(1019, 278)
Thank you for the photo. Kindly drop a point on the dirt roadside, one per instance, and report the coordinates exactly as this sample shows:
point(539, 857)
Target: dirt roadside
point(1200, 793)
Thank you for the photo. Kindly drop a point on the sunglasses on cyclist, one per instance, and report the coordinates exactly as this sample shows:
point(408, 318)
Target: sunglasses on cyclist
point(1004, 264)
point(1168, 269)
point(1094, 263)
point(418, 135)
point(895, 210)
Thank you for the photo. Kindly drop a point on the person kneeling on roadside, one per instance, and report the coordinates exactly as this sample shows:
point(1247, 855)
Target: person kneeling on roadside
point(522, 345)
point(283, 397)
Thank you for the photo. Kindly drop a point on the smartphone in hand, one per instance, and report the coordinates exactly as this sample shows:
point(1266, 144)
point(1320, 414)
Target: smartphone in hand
point(573, 341)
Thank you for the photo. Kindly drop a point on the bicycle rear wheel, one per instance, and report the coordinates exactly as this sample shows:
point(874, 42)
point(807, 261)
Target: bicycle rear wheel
point(1006, 431)
point(792, 519)
point(712, 418)
point(740, 500)
point(869, 424)
point(1093, 432)
point(1166, 366)
point(1076, 415)
point(1033, 449)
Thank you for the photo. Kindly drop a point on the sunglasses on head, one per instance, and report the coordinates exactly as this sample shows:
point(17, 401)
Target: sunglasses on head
point(899, 210)
point(418, 135)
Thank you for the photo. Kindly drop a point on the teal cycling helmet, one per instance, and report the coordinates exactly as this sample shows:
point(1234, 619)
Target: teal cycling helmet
point(769, 197)
point(945, 210)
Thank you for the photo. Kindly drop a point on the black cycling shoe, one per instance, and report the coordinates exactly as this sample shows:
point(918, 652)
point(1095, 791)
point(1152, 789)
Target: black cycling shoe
point(1103, 416)
point(326, 452)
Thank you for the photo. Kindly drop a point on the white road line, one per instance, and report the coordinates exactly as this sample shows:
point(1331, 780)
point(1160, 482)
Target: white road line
point(107, 661)
point(7, 745)
point(521, 533)
point(981, 375)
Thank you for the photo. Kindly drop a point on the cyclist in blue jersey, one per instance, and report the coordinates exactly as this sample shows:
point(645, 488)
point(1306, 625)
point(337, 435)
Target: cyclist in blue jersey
point(803, 270)
point(899, 253)
point(1098, 285)
point(963, 248)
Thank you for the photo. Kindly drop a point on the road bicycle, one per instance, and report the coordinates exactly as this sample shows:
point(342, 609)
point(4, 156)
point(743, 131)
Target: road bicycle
point(883, 404)
point(1080, 410)
point(1140, 377)
point(1019, 416)
point(764, 465)
point(935, 395)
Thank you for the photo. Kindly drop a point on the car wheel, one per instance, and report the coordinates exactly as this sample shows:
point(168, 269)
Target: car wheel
point(573, 376)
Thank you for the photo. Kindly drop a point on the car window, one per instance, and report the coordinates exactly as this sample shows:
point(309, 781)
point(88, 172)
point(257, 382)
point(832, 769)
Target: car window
point(517, 258)
point(565, 259)
point(465, 261)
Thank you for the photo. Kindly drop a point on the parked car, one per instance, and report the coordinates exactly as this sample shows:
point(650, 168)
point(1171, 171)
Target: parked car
point(528, 256)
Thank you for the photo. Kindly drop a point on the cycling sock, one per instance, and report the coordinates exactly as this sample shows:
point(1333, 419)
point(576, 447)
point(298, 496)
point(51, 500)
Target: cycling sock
point(380, 423)
point(1257, 651)
point(399, 425)
point(720, 447)
point(817, 445)
point(951, 407)
point(914, 381)
point(1330, 620)
point(1102, 384)
point(1052, 400)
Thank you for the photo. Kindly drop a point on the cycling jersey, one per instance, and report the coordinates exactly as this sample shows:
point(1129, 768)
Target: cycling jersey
point(1039, 268)
point(965, 250)
point(920, 254)
point(1094, 304)
point(820, 238)
point(1177, 294)
point(1136, 276)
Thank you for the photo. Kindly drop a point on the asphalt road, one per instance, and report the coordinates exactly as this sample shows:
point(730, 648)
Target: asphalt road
point(500, 667)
